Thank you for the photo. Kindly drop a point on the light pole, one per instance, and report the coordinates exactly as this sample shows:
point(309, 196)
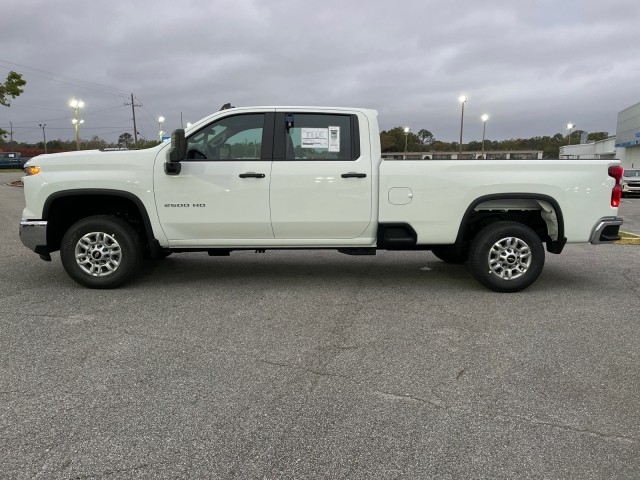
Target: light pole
point(75, 105)
point(570, 126)
point(406, 138)
point(463, 99)
point(42, 125)
point(160, 121)
point(484, 119)
point(77, 123)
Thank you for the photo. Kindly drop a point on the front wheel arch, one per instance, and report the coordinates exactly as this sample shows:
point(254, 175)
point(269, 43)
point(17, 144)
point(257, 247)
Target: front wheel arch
point(62, 209)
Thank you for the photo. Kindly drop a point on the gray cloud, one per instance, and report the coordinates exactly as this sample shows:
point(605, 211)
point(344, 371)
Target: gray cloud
point(532, 66)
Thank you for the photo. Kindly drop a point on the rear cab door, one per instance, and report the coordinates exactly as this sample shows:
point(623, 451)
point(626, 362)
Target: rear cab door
point(322, 178)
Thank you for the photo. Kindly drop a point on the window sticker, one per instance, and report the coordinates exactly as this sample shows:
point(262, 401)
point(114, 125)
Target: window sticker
point(334, 139)
point(314, 137)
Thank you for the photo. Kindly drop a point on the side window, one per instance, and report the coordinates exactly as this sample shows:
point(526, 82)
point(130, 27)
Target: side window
point(320, 137)
point(238, 137)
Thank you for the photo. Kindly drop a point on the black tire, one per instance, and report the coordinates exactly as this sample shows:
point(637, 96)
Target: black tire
point(449, 254)
point(110, 251)
point(506, 256)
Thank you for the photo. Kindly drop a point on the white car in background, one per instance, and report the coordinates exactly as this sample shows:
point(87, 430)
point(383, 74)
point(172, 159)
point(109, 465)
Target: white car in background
point(630, 181)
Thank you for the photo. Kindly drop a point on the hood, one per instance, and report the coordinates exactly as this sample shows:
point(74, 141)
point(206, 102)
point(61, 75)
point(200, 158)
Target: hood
point(111, 157)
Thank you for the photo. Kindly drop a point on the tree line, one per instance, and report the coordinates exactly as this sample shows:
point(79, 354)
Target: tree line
point(93, 143)
point(393, 140)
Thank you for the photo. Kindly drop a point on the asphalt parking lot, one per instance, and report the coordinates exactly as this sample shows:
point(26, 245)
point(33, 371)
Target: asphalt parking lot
point(319, 365)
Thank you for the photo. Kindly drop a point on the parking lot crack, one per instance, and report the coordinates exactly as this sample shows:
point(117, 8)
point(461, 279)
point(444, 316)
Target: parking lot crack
point(571, 428)
point(437, 403)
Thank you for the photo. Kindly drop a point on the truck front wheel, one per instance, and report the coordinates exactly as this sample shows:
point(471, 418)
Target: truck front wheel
point(101, 251)
point(506, 256)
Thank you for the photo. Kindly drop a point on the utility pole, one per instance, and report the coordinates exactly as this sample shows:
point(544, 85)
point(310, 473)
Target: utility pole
point(11, 133)
point(44, 137)
point(133, 110)
point(463, 99)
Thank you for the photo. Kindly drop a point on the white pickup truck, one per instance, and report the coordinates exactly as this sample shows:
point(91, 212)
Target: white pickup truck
point(309, 178)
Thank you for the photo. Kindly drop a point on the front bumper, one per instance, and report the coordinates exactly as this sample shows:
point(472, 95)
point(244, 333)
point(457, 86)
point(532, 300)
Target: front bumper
point(606, 230)
point(33, 234)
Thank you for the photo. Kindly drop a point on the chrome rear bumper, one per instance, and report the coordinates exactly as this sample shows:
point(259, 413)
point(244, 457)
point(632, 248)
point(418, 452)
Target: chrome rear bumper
point(606, 230)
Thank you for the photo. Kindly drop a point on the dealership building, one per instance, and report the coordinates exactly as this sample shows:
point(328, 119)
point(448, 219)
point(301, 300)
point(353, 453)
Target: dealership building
point(624, 146)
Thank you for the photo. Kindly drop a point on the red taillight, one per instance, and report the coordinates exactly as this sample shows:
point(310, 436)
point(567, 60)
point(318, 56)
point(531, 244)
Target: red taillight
point(616, 193)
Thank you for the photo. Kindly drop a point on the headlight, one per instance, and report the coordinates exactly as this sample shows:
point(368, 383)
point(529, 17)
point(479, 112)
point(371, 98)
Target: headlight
point(32, 170)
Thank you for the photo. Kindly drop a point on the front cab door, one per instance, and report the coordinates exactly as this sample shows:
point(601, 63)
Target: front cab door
point(222, 191)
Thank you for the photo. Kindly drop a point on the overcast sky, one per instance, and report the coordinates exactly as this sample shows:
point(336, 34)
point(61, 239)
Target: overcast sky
point(532, 66)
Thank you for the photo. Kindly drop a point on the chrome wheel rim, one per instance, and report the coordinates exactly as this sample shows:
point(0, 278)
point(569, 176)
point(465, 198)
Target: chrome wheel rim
point(509, 258)
point(98, 254)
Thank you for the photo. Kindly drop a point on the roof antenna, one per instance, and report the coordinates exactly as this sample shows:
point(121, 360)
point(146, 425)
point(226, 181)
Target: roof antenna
point(226, 106)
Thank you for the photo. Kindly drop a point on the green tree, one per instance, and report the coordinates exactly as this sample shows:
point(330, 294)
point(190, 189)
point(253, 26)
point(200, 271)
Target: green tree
point(426, 138)
point(125, 140)
point(142, 144)
point(597, 136)
point(95, 143)
point(440, 146)
point(473, 146)
point(387, 142)
point(10, 89)
point(394, 140)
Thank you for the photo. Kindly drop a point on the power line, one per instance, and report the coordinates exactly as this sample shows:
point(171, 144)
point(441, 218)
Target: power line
point(47, 75)
point(53, 76)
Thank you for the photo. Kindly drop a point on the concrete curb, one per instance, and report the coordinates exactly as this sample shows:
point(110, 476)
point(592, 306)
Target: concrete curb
point(629, 239)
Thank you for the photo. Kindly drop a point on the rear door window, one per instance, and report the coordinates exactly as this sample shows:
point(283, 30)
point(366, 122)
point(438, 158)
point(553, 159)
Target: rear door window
point(309, 137)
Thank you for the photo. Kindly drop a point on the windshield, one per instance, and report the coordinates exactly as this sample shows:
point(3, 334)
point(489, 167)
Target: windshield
point(632, 173)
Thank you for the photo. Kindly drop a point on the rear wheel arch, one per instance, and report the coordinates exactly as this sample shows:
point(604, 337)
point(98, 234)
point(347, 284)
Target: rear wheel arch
point(546, 218)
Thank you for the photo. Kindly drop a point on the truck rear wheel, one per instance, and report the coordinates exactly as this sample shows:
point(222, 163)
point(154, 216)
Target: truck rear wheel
point(101, 251)
point(506, 256)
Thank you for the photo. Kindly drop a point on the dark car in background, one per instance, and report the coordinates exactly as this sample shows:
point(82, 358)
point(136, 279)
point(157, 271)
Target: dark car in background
point(630, 182)
point(12, 160)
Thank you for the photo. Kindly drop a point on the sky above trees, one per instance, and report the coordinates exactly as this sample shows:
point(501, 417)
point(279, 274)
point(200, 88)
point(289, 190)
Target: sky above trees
point(532, 66)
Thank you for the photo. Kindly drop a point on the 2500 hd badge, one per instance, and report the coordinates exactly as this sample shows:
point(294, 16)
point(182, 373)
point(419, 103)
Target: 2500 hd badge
point(184, 205)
